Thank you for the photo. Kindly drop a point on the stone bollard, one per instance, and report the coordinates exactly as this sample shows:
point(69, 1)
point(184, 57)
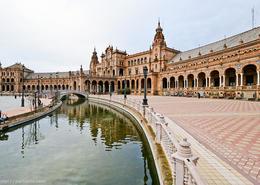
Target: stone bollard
point(183, 154)
point(158, 137)
point(162, 119)
point(149, 115)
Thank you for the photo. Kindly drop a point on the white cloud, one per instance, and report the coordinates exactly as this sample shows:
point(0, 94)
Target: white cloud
point(58, 35)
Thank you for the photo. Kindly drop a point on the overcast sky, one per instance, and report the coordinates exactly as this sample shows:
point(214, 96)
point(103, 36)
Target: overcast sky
point(59, 35)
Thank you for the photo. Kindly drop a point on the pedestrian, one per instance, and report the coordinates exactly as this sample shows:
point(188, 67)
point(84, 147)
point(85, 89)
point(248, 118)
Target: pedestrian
point(198, 95)
point(0, 113)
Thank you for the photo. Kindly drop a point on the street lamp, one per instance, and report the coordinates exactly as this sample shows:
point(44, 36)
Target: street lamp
point(125, 89)
point(56, 93)
point(145, 70)
point(22, 100)
point(110, 90)
point(51, 83)
point(38, 90)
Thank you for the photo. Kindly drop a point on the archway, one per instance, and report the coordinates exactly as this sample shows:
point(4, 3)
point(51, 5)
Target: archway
point(214, 76)
point(87, 86)
point(230, 77)
point(142, 83)
point(106, 86)
point(190, 80)
point(94, 86)
point(149, 83)
point(74, 86)
point(100, 86)
point(118, 85)
point(172, 82)
point(112, 86)
point(201, 79)
point(250, 75)
point(181, 81)
point(164, 83)
point(132, 84)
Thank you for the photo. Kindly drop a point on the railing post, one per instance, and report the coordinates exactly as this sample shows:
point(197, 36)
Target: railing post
point(182, 176)
point(158, 137)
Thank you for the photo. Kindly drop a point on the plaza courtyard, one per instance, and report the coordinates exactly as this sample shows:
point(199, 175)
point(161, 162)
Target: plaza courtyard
point(228, 128)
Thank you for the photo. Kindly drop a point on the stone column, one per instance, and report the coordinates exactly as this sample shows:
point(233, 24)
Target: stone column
point(197, 82)
point(220, 81)
point(180, 157)
point(258, 77)
point(236, 79)
point(97, 88)
point(209, 81)
point(241, 79)
point(104, 89)
point(90, 88)
point(224, 81)
point(115, 88)
point(177, 84)
point(206, 81)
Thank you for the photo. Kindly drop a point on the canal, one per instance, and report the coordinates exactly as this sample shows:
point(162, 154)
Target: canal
point(81, 143)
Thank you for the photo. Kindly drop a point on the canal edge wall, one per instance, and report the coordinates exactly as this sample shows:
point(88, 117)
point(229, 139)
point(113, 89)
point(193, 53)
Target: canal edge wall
point(158, 158)
point(30, 116)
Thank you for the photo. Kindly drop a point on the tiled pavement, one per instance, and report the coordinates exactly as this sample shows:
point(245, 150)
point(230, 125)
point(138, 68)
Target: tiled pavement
point(228, 128)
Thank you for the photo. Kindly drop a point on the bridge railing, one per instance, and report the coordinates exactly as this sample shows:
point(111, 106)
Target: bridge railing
point(178, 153)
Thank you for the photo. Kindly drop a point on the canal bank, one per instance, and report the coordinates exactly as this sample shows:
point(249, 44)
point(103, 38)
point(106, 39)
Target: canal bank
point(20, 117)
point(163, 169)
point(80, 143)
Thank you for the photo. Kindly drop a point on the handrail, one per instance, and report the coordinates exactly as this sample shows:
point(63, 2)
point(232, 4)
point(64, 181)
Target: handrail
point(170, 144)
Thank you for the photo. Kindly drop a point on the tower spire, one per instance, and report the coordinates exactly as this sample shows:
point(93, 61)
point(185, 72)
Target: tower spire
point(159, 37)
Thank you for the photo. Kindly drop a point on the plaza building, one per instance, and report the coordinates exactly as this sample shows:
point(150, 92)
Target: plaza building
point(229, 68)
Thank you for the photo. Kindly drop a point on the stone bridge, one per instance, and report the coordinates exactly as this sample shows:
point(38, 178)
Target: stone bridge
point(63, 94)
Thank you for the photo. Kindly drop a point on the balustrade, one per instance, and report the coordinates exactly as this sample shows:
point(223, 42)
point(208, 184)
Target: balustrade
point(178, 153)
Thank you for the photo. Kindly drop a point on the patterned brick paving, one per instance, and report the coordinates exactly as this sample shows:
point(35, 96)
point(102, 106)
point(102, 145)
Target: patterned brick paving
point(230, 128)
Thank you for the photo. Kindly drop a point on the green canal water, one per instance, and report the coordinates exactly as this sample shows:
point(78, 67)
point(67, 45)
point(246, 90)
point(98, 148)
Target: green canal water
point(81, 143)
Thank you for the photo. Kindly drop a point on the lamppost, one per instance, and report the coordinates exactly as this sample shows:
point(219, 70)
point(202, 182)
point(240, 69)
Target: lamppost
point(56, 87)
point(22, 100)
point(125, 89)
point(35, 99)
point(110, 90)
point(145, 70)
point(38, 90)
point(51, 83)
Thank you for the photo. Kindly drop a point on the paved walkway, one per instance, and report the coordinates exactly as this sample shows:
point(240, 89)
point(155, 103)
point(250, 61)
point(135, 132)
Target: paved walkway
point(229, 131)
point(230, 128)
point(21, 110)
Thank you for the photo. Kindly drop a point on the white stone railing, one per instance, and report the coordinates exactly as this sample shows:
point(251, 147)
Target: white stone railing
point(178, 153)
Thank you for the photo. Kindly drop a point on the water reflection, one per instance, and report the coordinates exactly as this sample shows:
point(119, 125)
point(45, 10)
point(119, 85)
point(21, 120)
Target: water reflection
point(111, 127)
point(81, 143)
